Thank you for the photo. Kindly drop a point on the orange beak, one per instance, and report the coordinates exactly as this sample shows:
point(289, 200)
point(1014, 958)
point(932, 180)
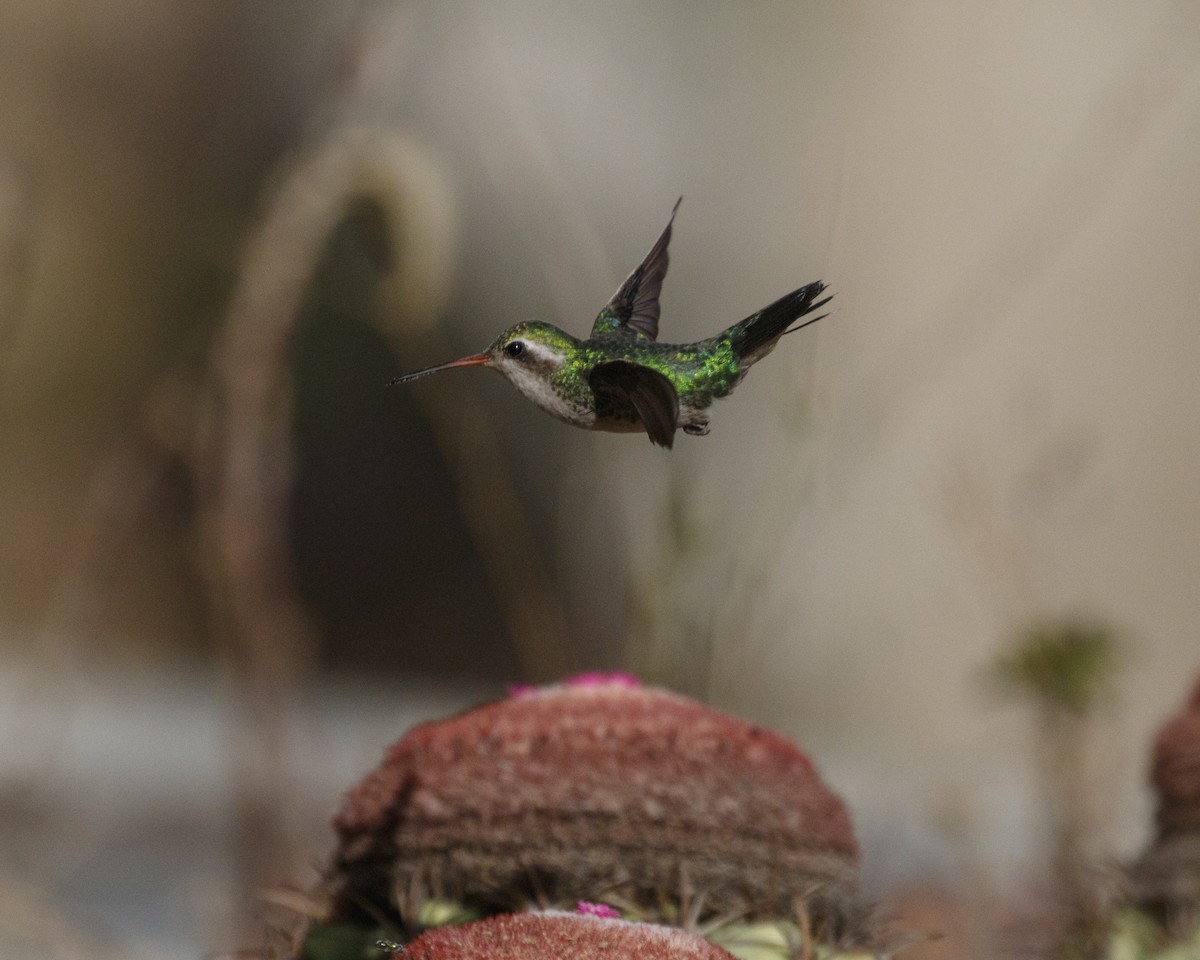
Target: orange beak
point(474, 360)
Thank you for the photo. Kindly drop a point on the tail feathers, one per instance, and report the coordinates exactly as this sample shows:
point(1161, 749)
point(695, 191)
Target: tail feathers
point(755, 336)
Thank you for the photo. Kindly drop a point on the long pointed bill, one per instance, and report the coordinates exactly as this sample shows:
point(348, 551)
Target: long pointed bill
point(474, 360)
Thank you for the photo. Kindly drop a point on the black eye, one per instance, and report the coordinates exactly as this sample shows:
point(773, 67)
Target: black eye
point(515, 349)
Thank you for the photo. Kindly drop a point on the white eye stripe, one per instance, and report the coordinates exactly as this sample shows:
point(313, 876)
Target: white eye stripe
point(540, 352)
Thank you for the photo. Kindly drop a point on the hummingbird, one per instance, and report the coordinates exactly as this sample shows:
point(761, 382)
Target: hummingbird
point(621, 379)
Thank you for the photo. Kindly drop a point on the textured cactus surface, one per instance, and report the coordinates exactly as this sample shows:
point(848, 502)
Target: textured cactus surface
point(598, 791)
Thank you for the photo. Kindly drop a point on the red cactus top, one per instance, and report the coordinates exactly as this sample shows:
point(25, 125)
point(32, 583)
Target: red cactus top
point(609, 749)
point(1175, 772)
point(552, 936)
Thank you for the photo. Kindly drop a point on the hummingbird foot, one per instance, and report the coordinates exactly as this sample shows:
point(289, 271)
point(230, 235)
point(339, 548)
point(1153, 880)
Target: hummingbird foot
point(698, 428)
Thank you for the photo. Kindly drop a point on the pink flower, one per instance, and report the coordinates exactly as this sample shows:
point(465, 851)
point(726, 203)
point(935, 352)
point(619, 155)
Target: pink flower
point(593, 678)
point(596, 910)
point(596, 678)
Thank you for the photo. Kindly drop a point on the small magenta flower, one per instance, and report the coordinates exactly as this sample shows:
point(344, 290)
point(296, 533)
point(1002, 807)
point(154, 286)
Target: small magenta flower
point(592, 678)
point(597, 910)
point(596, 678)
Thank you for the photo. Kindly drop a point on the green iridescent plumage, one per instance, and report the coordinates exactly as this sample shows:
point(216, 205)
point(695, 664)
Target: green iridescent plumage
point(703, 371)
point(621, 378)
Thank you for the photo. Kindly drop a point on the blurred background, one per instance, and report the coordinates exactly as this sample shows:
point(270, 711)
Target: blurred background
point(234, 566)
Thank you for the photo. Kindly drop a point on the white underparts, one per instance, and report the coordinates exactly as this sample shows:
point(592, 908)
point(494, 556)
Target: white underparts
point(531, 375)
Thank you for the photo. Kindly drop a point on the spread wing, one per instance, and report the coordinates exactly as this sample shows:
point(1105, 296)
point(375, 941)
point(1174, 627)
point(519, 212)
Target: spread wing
point(647, 393)
point(633, 310)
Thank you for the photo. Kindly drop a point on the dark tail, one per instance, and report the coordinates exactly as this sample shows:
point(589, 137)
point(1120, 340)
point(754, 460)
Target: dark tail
point(755, 336)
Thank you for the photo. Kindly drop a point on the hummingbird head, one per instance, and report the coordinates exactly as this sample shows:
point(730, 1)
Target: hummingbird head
point(529, 354)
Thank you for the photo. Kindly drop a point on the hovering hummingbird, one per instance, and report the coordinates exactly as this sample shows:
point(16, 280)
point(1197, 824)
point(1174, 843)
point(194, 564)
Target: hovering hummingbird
point(621, 379)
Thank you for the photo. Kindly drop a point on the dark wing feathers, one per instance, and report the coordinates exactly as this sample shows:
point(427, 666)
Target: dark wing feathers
point(647, 392)
point(634, 308)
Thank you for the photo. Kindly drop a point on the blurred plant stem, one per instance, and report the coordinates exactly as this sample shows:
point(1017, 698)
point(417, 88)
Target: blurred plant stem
point(1066, 670)
point(16, 250)
point(247, 461)
point(675, 637)
point(245, 456)
point(500, 526)
point(246, 464)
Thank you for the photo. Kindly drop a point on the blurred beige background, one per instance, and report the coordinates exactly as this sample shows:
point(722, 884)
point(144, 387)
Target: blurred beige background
point(996, 424)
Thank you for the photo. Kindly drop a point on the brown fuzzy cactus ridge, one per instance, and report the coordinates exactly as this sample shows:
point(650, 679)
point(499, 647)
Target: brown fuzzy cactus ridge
point(596, 791)
point(1166, 879)
point(1176, 768)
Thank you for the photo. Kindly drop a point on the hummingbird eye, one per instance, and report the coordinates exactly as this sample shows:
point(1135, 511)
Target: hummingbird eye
point(515, 349)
